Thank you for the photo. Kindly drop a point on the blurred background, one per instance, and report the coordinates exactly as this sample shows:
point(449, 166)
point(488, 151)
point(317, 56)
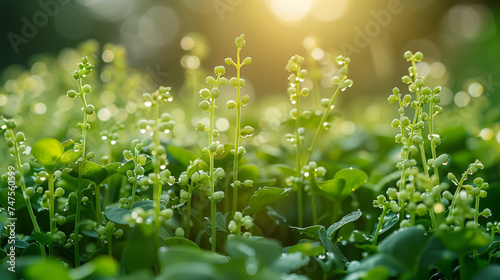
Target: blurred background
point(138, 45)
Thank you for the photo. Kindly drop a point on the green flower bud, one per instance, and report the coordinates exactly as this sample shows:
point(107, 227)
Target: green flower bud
point(59, 192)
point(167, 213)
point(86, 89)
point(237, 216)
point(232, 227)
point(71, 94)
point(205, 93)
point(231, 104)
point(210, 80)
point(229, 61)
point(407, 55)
point(419, 56)
point(406, 79)
point(244, 99)
point(215, 93)
point(247, 60)
point(233, 82)
point(201, 126)
point(219, 173)
point(89, 109)
point(219, 70)
point(218, 196)
point(30, 192)
point(248, 183)
point(118, 233)
point(204, 105)
point(179, 232)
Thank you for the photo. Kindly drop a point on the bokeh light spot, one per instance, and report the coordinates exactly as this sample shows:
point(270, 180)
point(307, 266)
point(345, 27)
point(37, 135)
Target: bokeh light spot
point(462, 99)
point(291, 10)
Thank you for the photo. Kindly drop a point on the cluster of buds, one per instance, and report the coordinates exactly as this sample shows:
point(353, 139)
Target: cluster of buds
point(236, 224)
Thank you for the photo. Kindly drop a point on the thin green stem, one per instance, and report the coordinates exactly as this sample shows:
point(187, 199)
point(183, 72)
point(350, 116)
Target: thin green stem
point(26, 198)
point(51, 213)
point(298, 157)
point(98, 204)
point(314, 210)
point(188, 212)
point(212, 177)
point(80, 177)
point(336, 211)
point(134, 186)
point(237, 133)
point(156, 166)
point(110, 245)
point(379, 225)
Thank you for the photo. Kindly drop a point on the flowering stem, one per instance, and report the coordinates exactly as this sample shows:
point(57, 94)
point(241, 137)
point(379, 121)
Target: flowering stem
point(237, 132)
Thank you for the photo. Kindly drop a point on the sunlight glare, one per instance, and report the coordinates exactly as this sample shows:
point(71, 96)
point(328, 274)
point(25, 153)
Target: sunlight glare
point(291, 10)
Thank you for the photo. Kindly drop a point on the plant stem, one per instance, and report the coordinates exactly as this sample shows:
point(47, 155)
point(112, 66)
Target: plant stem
point(336, 211)
point(237, 133)
point(26, 199)
point(298, 156)
point(80, 176)
point(98, 204)
point(314, 212)
point(379, 225)
point(213, 208)
point(110, 245)
point(51, 213)
point(188, 212)
point(156, 166)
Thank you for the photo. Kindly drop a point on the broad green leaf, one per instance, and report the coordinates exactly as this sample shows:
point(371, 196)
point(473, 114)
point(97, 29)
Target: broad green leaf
point(118, 215)
point(389, 221)
point(311, 231)
point(91, 171)
point(140, 249)
point(40, 271)
point(47, 152)
point(248, 172)
point(463, 241)
point(491, 272)
point(31, 250)
point(311, 249)
point(19, 199)
point(101, 267)
point(112, 168)
point(435, 251)
point(43, 238)
point(342, 185)
point(182, 155)
point(290, 262)
point(68, 158)
point(329, 245)
point(331, 189)
point(264, 197)
point(180, 241)
point(266, 251)
point(351, 217)
point(412, 239)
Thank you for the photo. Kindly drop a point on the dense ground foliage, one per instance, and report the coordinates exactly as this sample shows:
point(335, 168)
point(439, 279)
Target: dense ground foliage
point(144, 185)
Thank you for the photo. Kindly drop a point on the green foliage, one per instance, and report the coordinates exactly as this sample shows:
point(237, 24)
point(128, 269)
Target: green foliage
point(149, 197)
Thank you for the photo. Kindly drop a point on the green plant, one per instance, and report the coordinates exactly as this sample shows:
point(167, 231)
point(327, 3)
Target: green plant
point(214, 147)
point(237, 82)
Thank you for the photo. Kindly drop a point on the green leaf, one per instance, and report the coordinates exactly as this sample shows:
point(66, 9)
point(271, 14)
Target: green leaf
point(264, 197)
point(112, 168)
point(311, 249)
point(182, 155)
point(342, 185)
point(68, 158)
point(91, 171)
point(464, 241)
point(180, 241)
point(351, 217)
point(491, 272)
point(412, 239)
point(266, 251)
point(40, 271)
point(43, 238)
point(330, 246)
point(248, 172)
point(140, 249)
point(47, 152)
point(311, 231)
point(32, 250)
point(19, 202)
point(118, 215)
point(290, 262)
point(101, 267)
